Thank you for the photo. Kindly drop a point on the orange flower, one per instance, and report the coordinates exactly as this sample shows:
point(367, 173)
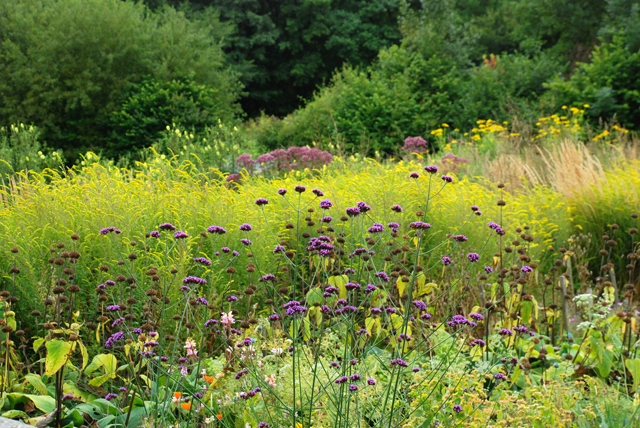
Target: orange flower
point(209, 379)
point(177, 395)
point(219, 416)
point(186, 406)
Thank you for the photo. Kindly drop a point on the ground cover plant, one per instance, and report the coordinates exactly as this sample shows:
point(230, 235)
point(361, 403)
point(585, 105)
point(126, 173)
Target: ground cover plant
point(166, 295)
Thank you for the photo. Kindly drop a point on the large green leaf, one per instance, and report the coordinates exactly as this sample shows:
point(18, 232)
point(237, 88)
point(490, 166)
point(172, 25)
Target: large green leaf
point(634, 368)
point(58, 353)
point(107, 362)
point(37, 383)
point(339, 281)
point(43, 403)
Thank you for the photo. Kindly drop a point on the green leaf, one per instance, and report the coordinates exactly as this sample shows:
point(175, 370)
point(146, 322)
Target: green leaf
point(85, 355)
point(58, 353)
point(107, 362)
point(314, 296)
point(634, 368)
point(339, 281)
point(526, 309)
point(43, 403)
point(37, 383)
point(14, 414)
point(37, 344)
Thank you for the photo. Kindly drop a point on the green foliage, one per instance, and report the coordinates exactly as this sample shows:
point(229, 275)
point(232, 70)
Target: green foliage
point(67, 63)
point(286, 49)
point(608, 83)
point(216, 146)
point(20, 150)
point(152, 106)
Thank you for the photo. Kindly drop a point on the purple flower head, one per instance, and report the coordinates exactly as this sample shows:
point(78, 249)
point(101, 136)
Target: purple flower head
point(136, 331)
point(263, 425)
point(400, 362)
point(457, 408)
point(217, 230)
point(232, 299)
point(113, 308)
point(499, 376)
point(460, 238)
point(447, 178)
point(352, 286)
point(245, 227)
point(184, 288)
point(110, 396)
point(521, 329)
point(117, 321)
point(278, 249)
point(425, 316)
point(474, 208)
point(404, 337)
point(353, 211)
point(505, 332)
point(182, 360)
point(488, 269)
point(415, 369)
point(202, 260)
point(68, 397)
point(422, 306)
point(334, 364)
point(396, 208)
point(478, 213)
point(268, 278)
point(261, 201)
point(383, 276)
point(419, 225)
point(341, 302)
point(390, 310)
point(110, 283)
point(154, 234)
point(446, 260)
point(326, 219)
point(194, 280)
point(198, 395)
point(240, 374)
point(180, 235)
point(431, 169)
point(211, 322)
point(225, 249)
point(414, 175)
point(349, 271)
point(526, 269)
point(478, 342)
point(246, 241)
point(473, 257)
point(282, 192)
point(331, 289)
point(167, 226)
point(371, 382)
point(274, 317)
point(355, 377)
point(319, 193)
point(353, 388)
point(234, 253)
point(476, 316)
point(376, 310)
point(370, 288)
point(363, 207)
point(108, 230)
point(101, 287)
point(115, 337)
point(376, 228)
point(299, 188)
point(325, 204)
point(353, 362)
point(341, 379)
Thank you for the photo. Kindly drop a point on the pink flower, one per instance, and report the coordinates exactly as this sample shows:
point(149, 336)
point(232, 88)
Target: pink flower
point(227, 319)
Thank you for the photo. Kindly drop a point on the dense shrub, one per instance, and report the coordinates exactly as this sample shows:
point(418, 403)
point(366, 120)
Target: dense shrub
point(67, 63)
point(152, 106)
point(609, 83)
